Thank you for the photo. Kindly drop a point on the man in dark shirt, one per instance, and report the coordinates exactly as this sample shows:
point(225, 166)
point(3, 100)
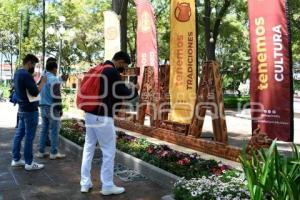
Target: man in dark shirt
point(100, 125)
point(25, 86)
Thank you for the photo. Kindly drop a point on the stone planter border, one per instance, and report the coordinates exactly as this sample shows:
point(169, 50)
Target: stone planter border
point(168, 197)
point(155, 174)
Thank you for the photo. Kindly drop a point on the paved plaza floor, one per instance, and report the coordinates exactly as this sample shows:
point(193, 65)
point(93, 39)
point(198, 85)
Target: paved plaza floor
point(60, 178)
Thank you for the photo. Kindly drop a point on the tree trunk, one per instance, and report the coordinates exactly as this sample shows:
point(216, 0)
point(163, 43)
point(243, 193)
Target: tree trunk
point(210, 51)
point(212, 32)
point(11, 66)
point(120, 7)
point(26, 24)
point(132, 48)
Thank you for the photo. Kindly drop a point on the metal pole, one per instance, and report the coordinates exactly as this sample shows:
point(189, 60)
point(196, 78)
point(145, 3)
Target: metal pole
point(59, 54)
point(1, 61)
point(11, 64)
point(44, 34)
point(20, 39)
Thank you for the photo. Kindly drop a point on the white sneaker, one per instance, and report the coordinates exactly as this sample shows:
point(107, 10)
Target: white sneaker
point(85, 189)
point(34, 166)
point(41, 155)
point(57, 156)
point(17, 163)
point(113, 190)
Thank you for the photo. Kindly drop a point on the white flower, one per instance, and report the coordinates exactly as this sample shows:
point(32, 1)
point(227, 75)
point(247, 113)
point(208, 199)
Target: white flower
point(194, 193)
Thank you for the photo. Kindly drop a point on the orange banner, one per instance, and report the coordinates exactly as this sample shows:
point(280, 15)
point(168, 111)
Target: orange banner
point(183, 60)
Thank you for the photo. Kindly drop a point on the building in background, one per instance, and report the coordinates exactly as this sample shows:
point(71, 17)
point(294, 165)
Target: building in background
point(6, 73)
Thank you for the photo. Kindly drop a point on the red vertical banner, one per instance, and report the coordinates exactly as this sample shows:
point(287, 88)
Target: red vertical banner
point(271, 69)
point(146, 39)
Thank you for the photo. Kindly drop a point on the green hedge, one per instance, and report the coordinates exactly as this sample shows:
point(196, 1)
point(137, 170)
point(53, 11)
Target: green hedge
point(236, 102)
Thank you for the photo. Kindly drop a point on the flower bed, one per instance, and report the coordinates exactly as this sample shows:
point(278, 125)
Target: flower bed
point(196, 171)
point(229, 185)
point(73, 130)
point(178, 163)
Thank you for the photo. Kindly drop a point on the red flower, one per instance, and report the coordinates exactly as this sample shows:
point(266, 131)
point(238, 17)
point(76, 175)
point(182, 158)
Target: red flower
point(220, 169)
point(223, 168)
point(79, 126)
point(163, 153)
point(216, 171)
point(150, 150)
point(184, 161)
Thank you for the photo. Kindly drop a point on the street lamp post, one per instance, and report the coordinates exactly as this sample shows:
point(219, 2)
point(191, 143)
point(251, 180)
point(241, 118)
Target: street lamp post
point(44, 33)
point(59, 54)
point(12, 41)
point(60, 30)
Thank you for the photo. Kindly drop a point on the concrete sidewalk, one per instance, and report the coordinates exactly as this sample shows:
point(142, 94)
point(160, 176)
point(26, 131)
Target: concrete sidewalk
point(60, 178)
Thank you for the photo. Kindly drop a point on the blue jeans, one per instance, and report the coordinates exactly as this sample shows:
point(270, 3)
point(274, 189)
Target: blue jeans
point(28, 122)
point(50, 122)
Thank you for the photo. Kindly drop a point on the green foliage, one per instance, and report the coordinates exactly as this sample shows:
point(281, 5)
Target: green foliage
point(294, 11)
point(297, 85)
point(5, 89)
point(68, 98)
point(26, 23)
point(85, 18)
point(162, 13)
point(236, 102)
point(271, 175)
point(72, 133)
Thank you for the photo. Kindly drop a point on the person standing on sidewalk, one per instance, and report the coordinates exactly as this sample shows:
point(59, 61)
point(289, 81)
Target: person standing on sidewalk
point(50, 59)
point(100, 125)
point(28, 113)
point(51, 112)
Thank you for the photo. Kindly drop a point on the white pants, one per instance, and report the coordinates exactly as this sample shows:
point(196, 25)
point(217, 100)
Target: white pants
point(99, 129)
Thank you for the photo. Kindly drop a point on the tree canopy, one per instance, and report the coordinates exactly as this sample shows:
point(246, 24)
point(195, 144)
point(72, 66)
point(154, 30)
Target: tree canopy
point(83, 40)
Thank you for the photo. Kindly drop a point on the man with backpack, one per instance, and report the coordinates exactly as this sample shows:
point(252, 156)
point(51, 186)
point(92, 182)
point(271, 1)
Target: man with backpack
point(26, 88)
point(105, 83)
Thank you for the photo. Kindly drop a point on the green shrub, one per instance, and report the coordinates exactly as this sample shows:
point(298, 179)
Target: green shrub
point(236, 102)
point(271, 175)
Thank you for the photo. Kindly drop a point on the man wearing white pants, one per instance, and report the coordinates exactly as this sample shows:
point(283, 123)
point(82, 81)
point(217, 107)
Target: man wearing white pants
point(101, 129)
point(100, 126)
